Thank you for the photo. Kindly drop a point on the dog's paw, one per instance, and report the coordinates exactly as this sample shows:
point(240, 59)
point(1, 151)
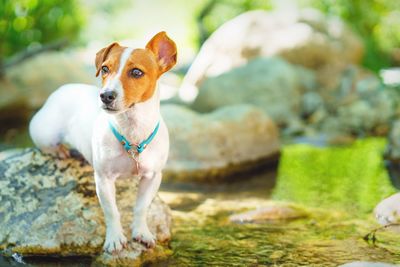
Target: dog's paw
point(115, 242)
point(144, 236)
point(388, 210)
point(62, 152)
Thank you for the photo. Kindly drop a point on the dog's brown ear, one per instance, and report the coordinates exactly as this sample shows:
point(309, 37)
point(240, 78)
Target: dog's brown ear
point(164, 49)
point(102, 55)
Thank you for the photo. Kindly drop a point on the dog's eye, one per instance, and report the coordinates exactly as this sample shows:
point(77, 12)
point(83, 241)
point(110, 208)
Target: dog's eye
point(104, 70)
point(136, 73)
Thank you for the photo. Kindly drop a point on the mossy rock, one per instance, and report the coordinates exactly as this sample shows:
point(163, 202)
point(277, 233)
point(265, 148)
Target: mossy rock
point(49, 207)
point(351, 178)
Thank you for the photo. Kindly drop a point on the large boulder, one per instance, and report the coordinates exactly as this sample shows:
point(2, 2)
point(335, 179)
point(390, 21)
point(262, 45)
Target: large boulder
point(26, 86)
point(272, 84)
point(306, 38)
point(49, 207)
point(220, 144)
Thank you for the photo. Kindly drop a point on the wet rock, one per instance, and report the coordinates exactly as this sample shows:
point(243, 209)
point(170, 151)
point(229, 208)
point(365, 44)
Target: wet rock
point(273, 212)
point(388, 210)
point(326, 237)
point(26, 86)
point(306, 38)
point(269, 83)
point(217, 145)
point(49, 207)
point(181, 201)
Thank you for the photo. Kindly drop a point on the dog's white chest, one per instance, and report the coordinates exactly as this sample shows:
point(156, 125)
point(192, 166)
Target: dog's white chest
point(121, 166)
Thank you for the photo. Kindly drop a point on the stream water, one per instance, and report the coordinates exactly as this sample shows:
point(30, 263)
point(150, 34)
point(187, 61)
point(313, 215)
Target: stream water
point(335, 188)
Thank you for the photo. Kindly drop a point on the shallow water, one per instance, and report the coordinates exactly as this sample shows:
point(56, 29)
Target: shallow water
point(336, 188)
point(204, 236)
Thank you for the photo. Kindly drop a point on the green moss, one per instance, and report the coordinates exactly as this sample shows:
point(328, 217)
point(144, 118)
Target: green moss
point(349, 178)
point(336, 186)
point(321, 240)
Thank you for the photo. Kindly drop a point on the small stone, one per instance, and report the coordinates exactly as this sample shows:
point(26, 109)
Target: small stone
point(277, 254)
point(273, 212)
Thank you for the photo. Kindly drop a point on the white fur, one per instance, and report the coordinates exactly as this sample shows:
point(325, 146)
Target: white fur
point(72, 115)
point(67, 117)
point(114, 83)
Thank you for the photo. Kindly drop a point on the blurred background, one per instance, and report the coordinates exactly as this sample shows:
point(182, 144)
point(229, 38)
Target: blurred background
point(271, 100)
point(48, 43)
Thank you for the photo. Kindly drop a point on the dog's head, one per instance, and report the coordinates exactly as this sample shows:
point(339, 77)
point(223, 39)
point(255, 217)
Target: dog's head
point(129, 76)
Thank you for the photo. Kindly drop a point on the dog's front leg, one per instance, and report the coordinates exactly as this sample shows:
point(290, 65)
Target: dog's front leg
point(148, 187)
point(115, 239)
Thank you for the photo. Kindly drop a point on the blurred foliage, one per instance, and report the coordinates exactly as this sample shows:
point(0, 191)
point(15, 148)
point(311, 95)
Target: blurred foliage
point(376, 21)
point(214, 13)
point(26, 24)
point(108, 20)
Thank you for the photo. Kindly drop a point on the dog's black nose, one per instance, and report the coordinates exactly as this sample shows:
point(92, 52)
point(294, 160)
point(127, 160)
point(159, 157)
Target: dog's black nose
point(108, 97)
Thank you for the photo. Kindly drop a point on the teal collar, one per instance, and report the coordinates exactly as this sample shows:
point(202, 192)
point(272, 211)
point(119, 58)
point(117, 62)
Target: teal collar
point(127, 145)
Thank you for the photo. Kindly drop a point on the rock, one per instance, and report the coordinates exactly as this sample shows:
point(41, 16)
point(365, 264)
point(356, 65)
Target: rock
point(26, 86)
point(391, 76)
point(273, 212)
point(49, 207)
point(392, 153)
point(181, 201)
point(307, 38)
point(360, 106)
point(226, 142)
point(388, 210)
point(394, 141)
point(269, 83)
point(311, 102)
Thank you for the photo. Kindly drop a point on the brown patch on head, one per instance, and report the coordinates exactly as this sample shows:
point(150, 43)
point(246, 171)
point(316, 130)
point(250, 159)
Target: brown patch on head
point(109, 58)
point(158, 57)
point(139, 89)
point(103, 54)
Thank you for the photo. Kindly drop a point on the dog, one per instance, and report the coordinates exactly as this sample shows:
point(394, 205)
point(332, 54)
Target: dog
point(118, 129)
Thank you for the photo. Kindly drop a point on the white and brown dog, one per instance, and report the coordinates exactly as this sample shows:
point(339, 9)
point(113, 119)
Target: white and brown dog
point(96, 121)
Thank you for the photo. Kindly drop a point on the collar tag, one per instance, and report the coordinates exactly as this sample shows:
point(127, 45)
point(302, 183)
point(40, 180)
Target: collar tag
point(133, 150)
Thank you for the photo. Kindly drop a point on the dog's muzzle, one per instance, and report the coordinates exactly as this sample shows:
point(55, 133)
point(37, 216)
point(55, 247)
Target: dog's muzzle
point(108, 97)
